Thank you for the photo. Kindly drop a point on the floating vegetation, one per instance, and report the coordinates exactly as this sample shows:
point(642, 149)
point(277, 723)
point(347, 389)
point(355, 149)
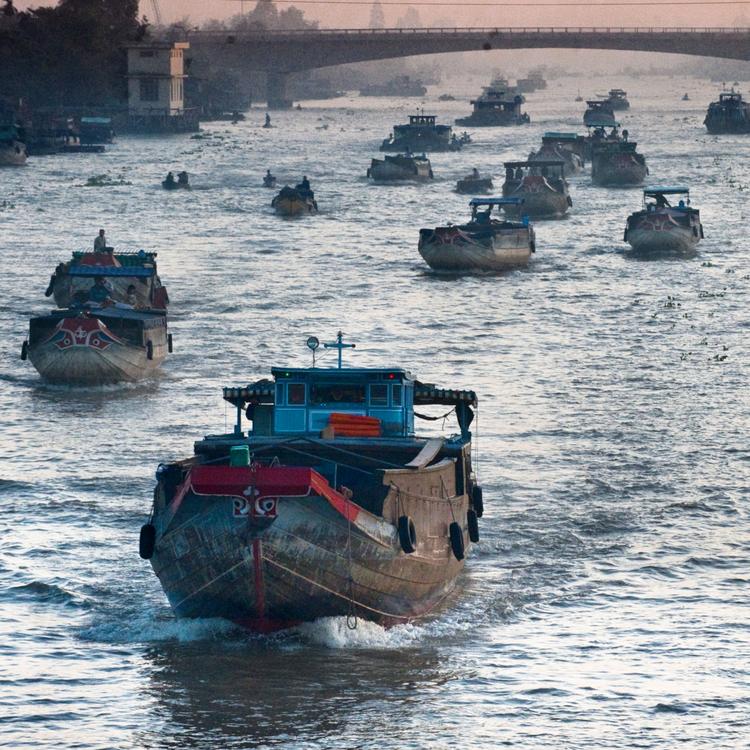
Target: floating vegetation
point(104, 180)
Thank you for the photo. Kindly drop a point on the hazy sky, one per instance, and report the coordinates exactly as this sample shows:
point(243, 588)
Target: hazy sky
point(593, 13)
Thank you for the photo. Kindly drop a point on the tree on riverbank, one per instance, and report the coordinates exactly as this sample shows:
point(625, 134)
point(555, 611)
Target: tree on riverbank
point(69, 55)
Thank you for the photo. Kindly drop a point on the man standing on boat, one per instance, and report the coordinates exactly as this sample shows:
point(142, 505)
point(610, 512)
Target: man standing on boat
point(100, 243)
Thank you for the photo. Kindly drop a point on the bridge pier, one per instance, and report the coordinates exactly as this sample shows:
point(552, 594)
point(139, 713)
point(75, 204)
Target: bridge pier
point(276, 90)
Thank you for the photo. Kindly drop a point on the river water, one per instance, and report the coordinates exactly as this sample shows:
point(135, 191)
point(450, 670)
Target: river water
point(606, 605)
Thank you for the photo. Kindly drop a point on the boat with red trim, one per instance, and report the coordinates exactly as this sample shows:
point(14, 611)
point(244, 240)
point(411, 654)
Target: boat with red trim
point(542, 186)
point(663, 227)
point(97, 345)
point(617, 164)
point(329, 505)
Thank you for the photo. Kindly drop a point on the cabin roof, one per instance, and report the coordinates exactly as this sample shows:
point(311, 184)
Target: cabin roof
point(562, 136)
point(496, 202)
point(667, 190)
point(348, 372)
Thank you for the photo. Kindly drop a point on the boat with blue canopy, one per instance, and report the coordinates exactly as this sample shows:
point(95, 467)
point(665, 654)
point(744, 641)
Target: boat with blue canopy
point(666, 223)
point(322, 501)
point(484, 243)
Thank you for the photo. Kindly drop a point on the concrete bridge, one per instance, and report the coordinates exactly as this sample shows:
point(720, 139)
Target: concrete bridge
point(279, 53)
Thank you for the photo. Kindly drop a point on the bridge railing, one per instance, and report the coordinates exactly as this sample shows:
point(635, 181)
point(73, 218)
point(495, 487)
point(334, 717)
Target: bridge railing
point(487, 30)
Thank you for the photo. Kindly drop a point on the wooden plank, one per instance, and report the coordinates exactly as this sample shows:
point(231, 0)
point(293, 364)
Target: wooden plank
point(427, 454)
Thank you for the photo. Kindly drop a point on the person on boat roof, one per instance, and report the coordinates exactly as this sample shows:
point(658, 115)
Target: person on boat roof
point(99, 292)
point(100, 243)
point(182, 178)
point(269, 179)
point(170, 179)
point(475, 173)
point(304, 187)
point(268, 121)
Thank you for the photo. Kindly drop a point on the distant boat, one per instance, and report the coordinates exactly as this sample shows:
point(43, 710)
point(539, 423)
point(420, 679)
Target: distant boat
point(330, 505)
point(12, 149)
point(97, 346)
point(446, 98)
point(495, 107)
point(660, 226)
point(421, 134)
point(474, 184)
point(567, 147)
point(579, 98)
point(599, 113)
point(482, 244)
point(685, 97)
point(617, 164)
point(541, 185)
point(618, 99)
point(401, 167)
point(731, 114)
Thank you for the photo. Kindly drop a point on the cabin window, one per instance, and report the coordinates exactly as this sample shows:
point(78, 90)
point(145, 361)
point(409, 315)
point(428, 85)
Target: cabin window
point(337, 394)
point(379, 394)
point(396, 394)
point(296, 393)
point(149, 90)
point(280, 400)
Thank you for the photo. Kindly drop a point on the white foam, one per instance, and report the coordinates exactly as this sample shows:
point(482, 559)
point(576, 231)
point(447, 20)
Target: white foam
point(148, 629)
point(333, 632)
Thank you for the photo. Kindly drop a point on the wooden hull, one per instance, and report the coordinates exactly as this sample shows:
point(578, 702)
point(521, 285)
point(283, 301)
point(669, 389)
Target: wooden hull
point(387, 171)
point(493, 120)
point(471, 186)
point(538, 203)
point(294, 206)
point(664, 231)
point(618, 173)
point(84, 351)
point(460, 252)
point(12, 155)
point(217, 556)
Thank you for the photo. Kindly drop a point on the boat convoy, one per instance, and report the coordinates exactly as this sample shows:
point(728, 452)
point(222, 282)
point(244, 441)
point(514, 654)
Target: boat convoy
point(324, 500)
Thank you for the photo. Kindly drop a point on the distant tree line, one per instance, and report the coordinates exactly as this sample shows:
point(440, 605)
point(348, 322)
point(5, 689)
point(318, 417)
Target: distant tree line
point(69, 55)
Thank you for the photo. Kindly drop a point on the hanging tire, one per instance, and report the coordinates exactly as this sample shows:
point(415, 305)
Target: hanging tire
point(169, 343)
point(24, 350)
point(457, 540)
point(149, 350)
point(407, 534)
point(477, 501)
point(147, 541)
point(472, 523)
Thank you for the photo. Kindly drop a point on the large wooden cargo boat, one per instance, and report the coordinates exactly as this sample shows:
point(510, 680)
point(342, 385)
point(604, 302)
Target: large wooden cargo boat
point(330, 505)
point(399, 168)
point(663, 227)
point(496, 108)
point(422, 134)
point(132, 278)
point(482, 244)
point(97, 346)
point(541, 185)
point(731, 114)
point(618, 164)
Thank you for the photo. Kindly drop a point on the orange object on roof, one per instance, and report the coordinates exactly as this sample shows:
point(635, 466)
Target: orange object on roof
point(355, 425)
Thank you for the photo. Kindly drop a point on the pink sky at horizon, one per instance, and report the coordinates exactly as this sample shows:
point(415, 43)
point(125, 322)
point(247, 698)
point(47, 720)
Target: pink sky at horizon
point(337, 15)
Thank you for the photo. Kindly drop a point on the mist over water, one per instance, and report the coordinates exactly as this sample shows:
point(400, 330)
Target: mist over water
point(606, 604)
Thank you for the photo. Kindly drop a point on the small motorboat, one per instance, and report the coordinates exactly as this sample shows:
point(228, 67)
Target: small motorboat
point(617, 164)
point(131, 277)
point(269, 180)
point(482, 244)
point(181, 183)
point(567, 147)
point(329, 505)
point(401, 167)
point(685, 97)
point(579, 98)
point(474, 184)
point(662, 227)
point(541, 184)
point(294, 202)
point(97, 346)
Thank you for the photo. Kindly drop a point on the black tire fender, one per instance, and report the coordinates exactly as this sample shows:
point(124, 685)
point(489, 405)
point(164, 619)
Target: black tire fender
point(477, 500)
point(407, 534)
point(24, 350)
point(169, 343)
point(149, 349)
point(457, 540)
point(147, 541)
point(472, 524)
